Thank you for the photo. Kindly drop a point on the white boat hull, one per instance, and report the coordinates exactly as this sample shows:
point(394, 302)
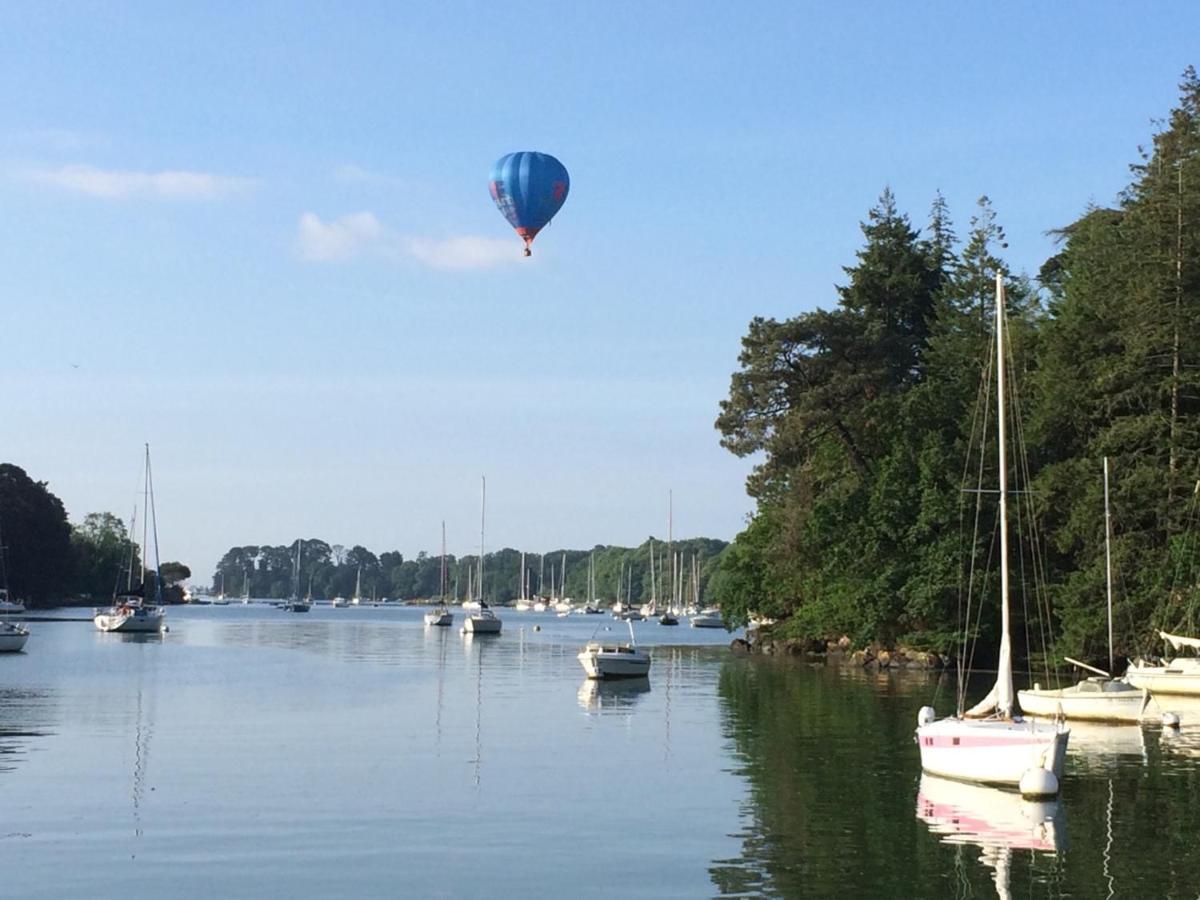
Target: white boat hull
point(140, 622)
point(1180, 676)
point(481, 625)
point(1115, 703)
point(13, 641)
point(612, 663)
point(992, 751)
point(707, 622)
point(439, 619)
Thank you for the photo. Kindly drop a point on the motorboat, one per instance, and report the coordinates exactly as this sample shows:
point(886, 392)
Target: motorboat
point(614, 660)
point(12, 637)
point(707, 618)
point(338, 602)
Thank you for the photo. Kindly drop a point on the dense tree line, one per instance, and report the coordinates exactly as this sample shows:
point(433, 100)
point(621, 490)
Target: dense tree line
point(861, 417)
point(46, 561)
point(332, 570)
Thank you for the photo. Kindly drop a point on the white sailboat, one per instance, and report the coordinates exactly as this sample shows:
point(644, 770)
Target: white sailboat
point(9, 606)
point(562, 605)
point(523, 604)
point(615, 660)
point(1179, 675)
point(220, 599)
point(295, 603)
point(441, 616)
point(1100, 697)
point(12, 636)
point(484, 621)
point(1002, 748)
point(356, 600)
point(131, 612)
point(245, 586)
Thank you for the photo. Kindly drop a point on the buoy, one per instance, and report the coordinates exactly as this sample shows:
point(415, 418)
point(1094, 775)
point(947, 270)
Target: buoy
point(537, 627)
point(1170, 720)
point(1038, 783)
point(926, 715)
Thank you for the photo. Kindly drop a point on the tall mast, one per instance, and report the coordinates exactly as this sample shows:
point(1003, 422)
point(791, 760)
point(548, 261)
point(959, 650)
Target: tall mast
point(145, 519)
point(482, 513)
point(158, 594)
point(670, 542)
point(1004, 677)
point(522, 575)
point(442, 582)
point(653, 587)
point(1108, 564)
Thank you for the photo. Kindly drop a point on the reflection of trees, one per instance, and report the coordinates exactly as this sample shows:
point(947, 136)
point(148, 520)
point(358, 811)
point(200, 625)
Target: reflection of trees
point(832, 772)
point(23, 715)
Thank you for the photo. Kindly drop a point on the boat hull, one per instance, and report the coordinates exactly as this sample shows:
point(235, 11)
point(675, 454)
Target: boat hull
point(1173, 678)
point(702, 621)
point(1119, 705)
point(481, 625)
point(601, 664)
point(13, 641)
point(441, 620)
point(147, 622)
point(991, 751)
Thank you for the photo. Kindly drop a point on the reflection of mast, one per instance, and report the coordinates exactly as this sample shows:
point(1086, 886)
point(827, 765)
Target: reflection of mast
point(141, 758)
point(478, 711)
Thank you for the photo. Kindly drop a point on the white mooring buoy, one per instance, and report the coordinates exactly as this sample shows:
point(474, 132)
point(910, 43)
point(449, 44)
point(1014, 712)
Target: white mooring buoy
point(1038, 783)
point(1170, 720)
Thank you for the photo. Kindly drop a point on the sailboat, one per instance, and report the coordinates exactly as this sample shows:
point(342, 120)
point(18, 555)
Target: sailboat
point(357, 598)
point(220, 599)
point(245, 586)
point(295, 604)
point(440, 615)
point(130, 611)
point(1100, 697)
point(539, 604)
point(1002, 748)
point(562, 606)
point(12, 636)
point(523, 603)
point(484, 621)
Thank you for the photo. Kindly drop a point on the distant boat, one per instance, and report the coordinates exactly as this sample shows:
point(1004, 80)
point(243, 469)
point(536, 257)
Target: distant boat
point(130, 612)
point(523, 603)
point(1179, 675)
point(707, 618)
point(12, 637)
point(357, 599)
point(483, 621)
point(614, 660)
point(8, 606)
point(245, 586)
point(295, 604)
point(1105, 698)
point(440, 615)
point(221, 599)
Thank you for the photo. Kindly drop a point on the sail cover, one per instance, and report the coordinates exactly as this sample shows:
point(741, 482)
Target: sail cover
point(1179, 642)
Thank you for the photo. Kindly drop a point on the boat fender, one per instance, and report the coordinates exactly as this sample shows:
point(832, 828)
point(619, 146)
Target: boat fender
point(1170, 720)
point(1038, 783)
point(926, 715)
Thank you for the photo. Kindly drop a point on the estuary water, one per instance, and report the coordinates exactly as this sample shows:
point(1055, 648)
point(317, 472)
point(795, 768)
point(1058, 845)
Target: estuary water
point(255, 753)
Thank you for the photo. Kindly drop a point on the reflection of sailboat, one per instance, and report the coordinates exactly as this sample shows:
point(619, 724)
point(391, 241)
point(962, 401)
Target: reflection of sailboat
point(600, 696)
point(1103, 698)
point(998, 822)
point(1101, 747)
point(1000, 749)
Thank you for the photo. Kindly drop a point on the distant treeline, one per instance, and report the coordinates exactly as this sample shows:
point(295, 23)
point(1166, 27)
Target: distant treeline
point(861, 414)
point(331, 570)
point(46, 560)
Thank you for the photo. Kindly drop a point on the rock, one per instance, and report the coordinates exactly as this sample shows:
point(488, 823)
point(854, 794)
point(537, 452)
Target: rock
point(844, 642)
point(740, 645)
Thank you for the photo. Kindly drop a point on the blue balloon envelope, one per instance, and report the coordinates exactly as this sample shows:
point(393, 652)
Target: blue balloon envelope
point(529, 188)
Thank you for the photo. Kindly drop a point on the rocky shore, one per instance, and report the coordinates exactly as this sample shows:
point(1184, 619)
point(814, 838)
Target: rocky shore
point(840, 652)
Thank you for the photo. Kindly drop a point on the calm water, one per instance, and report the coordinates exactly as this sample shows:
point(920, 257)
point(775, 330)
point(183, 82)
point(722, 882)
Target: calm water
point(255, 753)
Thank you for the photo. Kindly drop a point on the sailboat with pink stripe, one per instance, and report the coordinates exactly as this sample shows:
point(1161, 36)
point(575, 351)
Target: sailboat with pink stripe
point(991, 743)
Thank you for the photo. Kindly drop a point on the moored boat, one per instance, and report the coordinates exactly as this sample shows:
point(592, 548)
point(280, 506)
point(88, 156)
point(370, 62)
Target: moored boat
point(614, 660)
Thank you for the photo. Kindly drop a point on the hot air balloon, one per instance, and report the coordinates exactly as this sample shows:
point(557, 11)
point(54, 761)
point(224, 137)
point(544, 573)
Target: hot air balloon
point(529, 188)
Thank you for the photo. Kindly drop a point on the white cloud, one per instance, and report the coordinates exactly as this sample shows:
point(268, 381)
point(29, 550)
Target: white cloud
point(113, 183)
point(464, 252)
point(352, 174)
point(342, 238)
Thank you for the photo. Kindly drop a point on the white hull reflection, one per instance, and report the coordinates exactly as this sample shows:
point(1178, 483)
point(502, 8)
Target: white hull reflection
point(612, 696)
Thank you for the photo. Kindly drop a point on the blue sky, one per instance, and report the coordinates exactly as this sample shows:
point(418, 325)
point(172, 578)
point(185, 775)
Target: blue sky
point(261, 239)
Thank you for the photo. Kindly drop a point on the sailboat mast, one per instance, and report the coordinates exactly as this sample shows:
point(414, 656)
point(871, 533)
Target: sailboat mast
point(1108, 565)
point(670, 541)
point(158, 593)
point(442, 582)
point(482, 513)
point(1004, 678)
